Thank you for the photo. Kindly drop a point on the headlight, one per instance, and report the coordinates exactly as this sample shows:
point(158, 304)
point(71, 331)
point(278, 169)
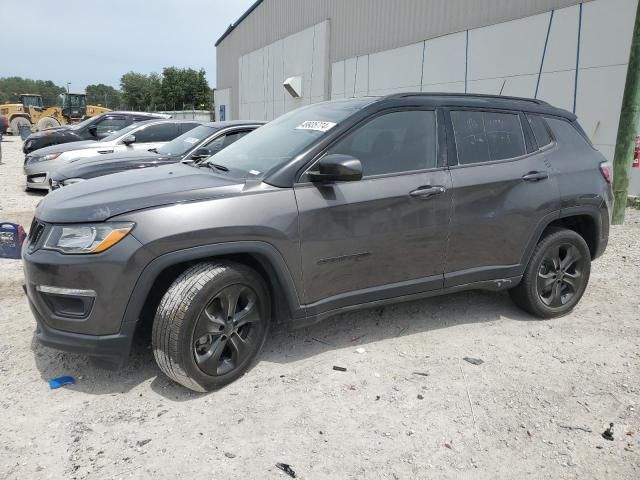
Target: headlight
point(71, 181)
point(52, 156)
point(86, 238)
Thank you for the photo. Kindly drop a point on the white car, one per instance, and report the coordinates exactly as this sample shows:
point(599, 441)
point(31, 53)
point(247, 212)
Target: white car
point(147, 135)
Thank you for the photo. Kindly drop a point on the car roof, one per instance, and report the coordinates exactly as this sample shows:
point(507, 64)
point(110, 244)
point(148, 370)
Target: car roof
point(141, 114)
point(153, 121)
point(234, 123)
point(481, 101)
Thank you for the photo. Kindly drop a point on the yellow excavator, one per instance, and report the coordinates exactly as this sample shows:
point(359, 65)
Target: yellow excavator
point(31, 111)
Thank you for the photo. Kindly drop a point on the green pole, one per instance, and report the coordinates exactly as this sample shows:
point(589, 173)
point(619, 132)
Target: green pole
point(628, 128)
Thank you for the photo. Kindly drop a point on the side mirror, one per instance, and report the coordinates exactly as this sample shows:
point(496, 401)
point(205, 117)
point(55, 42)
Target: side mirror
point(129, 139)
point(200, 153)
point(93, 130)
point(336, 168)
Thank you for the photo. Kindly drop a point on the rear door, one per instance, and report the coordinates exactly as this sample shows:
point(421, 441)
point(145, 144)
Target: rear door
point(503, 189)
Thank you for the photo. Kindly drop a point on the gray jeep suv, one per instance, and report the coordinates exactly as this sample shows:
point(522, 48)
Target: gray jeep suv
point(331, 207)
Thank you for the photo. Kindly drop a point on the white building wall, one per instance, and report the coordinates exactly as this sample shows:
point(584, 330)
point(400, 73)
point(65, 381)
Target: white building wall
point(507, 57)
point(262, 72)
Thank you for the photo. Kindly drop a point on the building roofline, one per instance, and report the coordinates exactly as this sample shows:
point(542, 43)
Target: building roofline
point(232, 27)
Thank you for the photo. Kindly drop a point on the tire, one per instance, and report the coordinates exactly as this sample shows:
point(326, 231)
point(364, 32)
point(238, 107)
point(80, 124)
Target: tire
point(220, 351)
point(15, 125)
point(556, 277)
point(47, 122)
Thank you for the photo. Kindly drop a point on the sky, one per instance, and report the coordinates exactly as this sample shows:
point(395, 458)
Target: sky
point(96, 41)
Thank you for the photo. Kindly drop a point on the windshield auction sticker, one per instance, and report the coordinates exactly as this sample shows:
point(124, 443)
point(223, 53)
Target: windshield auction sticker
point(316, 125)
point(191, 140)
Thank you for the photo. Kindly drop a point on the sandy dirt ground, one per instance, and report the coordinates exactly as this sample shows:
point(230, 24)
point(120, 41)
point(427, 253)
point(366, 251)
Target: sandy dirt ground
point(407, 407)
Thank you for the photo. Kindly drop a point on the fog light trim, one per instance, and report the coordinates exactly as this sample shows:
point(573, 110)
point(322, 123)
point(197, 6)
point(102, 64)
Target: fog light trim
point(76, 292)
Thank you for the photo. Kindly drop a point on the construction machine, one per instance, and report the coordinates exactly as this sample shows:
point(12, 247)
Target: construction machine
point(30, 111)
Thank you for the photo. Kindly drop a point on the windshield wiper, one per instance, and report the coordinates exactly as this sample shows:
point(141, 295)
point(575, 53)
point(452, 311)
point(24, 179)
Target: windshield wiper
point(213, 166)
point(154, 150)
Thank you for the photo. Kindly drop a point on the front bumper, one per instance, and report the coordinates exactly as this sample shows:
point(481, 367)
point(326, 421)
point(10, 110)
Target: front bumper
point(114, 348)
point(96, 323)
point(37, 176)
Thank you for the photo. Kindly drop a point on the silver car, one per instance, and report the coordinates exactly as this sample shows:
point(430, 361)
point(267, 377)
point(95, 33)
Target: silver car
point(141, 136)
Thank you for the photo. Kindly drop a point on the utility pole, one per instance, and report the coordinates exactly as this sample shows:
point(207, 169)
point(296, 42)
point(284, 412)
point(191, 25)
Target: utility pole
point(627, 128)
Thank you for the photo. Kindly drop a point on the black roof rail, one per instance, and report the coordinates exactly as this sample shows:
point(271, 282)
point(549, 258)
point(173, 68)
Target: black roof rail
point(469, 95)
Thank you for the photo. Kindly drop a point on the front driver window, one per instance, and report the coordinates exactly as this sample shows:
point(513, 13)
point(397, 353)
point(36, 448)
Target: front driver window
point(110, 124)
point(393, 143)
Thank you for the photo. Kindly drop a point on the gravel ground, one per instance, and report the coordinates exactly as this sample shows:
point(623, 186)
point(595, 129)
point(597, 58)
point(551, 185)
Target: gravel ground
point(535, 408)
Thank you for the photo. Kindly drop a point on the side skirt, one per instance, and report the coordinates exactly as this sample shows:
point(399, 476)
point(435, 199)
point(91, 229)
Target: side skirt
point(487, 285)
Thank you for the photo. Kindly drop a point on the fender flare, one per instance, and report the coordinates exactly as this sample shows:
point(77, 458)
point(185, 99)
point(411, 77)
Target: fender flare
point(592, 211)
point(264, 251)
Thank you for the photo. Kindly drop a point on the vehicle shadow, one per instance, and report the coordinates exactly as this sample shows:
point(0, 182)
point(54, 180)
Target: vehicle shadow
point(285, 344)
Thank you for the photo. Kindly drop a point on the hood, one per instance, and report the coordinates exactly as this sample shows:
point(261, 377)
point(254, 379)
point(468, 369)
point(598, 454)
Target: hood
point(64, 147)
point(89, 167)
point(48, 131)
point(117, 156)
point(104, 197)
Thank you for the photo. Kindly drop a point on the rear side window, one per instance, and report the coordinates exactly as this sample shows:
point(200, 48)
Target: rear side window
point(487, 136)
point(540, 130)
point(392, 143)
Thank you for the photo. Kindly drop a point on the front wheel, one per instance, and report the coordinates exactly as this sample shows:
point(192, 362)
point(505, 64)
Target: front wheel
point(211, 324)
point(556, 277)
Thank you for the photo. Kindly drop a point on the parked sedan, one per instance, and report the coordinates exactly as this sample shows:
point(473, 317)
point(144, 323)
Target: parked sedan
point(193, 146)
point(94, 128)
point(137, 137)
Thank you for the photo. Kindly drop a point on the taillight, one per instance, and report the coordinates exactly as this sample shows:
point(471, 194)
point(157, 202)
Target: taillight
point(605, 170)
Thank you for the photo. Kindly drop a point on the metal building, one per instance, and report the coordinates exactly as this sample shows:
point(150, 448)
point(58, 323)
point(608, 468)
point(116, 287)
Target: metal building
point(572, 54)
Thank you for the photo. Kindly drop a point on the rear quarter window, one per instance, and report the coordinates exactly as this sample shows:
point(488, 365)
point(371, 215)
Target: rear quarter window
point(568, 134)
point(540, 130)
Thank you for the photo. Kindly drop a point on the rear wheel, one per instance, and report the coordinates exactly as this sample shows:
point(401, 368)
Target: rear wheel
point(47, 122)
point(16, 123)
point(556, 277)
point(211, 324)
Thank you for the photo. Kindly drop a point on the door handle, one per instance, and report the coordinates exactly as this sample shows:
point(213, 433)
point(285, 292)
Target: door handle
point(535, 176)
point(427, 191)
point(105, 151)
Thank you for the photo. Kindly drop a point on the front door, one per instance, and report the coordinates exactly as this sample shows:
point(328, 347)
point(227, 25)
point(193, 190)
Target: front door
point(385, 235)
point(503, 188)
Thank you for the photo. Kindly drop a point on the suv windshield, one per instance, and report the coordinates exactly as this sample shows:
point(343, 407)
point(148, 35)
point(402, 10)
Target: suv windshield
point(285, 137)
point(185, 142)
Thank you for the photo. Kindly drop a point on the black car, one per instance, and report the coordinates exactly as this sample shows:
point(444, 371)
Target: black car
point(93, 128)
point(336, 206)
point(194, 145)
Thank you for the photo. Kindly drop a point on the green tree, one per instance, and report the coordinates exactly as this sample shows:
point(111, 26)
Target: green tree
point(175, 89)
point(185, 88)
point(104, 95)
point(135, 90)
point(12, 87)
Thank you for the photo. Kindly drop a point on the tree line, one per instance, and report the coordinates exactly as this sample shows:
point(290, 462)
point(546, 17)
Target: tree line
point(173, 89)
